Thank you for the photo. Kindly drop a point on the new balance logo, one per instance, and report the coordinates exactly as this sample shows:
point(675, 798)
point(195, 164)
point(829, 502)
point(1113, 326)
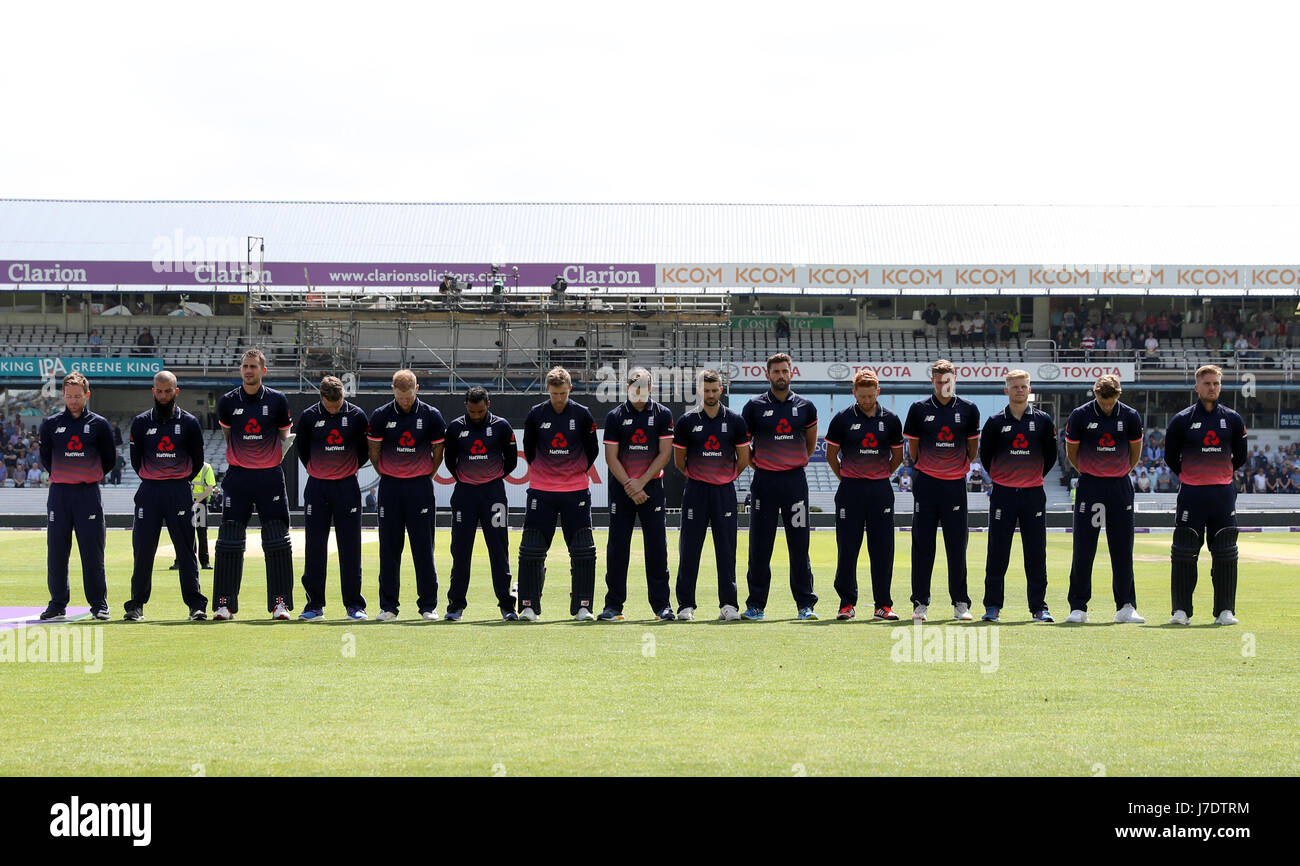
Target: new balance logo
point(929, 418)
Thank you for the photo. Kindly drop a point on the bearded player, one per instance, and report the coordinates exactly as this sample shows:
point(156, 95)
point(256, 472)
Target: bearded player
point(256, 423)
point(711, 448)
point(166, 451)
point(1204, 444)
point(784, 430)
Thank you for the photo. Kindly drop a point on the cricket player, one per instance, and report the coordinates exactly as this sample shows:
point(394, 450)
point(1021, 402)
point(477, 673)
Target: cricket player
point(166, 444)
point(1017, 448)
point(481, 453)
point(77, 450)
point(560, 446)
point(256, 423)
point(784, 430)
point(638, 445)
point(332, 446)
point(406, 441)
point(711, 448)
point(1204, 444)
point(942, 433)
point(1103, 441)
point(864, 447)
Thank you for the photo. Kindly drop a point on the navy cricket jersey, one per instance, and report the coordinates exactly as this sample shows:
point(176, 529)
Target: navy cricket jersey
point(480, 453)
point(162, 450)
point(942, 431)
point(1205, 447)
point(638, 434)
point(865, 441)
point(406, 438)
point(331, 447)
point(560, 447)
point(254, 422)
point(1018, 453)
point(77, 450)
point(711, 443)
point(1103, 439)
point(776, 428)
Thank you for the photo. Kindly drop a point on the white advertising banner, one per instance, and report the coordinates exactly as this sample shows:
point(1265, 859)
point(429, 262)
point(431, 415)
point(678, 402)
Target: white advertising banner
point(918, 372)
point(976, 277)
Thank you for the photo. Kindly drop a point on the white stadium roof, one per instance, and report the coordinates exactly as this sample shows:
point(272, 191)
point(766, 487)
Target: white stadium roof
point(653, 233)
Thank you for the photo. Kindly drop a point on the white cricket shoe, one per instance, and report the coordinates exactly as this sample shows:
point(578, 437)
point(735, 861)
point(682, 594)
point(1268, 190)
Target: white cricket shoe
point(920, 612)
point(1077, 616)
point(1179, 618)
point(280, 612)
point(1226, 618)
point(729, 613)
point(686, 613)
point(222, 614)
point(961, 611)
point(529, 614)
point(584, 614)
point(1128, 614)
point(386, 616)
point(431, 615)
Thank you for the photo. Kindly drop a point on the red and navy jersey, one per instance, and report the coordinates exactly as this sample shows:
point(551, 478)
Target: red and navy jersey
point(166, 449)
point(865, 441)
point(560, 447)
point(942, 431)
point(254, 422)
point(1203, 448)
point(480, 453)
point(711, 443)
point(1103, 440)
point(638, 434)
point(331, 447)
point(776, 428)
point(77, 450)
point(406, 439)
point(1018, 452)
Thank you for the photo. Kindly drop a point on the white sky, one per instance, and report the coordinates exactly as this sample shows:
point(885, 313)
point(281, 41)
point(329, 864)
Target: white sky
point(863, 103)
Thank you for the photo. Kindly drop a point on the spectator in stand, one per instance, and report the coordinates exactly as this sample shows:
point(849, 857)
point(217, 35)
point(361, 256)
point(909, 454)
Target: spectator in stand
point(782, 328)
point(1241, 346)
point(1284, 483)
point(977, 329)
point(144, 344)
point(931, 318)
point(4, 473)
point(1088, 342)
point(967, 331)
point(1112, 345)
point(34, 476)
point(116, 476)
point(1211, 337)
point(1176, 325)
point(1259, 481)
point(1152, 347)
point(954, 328)
point(1162, 325)
point(1011, 327)
point(1074, 344)
point(372, 501)
point(96, 343)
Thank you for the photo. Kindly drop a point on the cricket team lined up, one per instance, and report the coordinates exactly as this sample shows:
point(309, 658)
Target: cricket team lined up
point(407, 441)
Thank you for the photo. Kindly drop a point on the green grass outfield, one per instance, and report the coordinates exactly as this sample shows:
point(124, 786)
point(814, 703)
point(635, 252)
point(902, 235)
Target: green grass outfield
point(556, 697)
